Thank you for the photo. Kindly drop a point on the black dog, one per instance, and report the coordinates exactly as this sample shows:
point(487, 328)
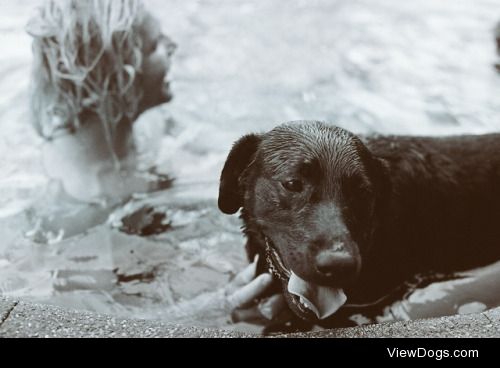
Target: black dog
point(363, 215)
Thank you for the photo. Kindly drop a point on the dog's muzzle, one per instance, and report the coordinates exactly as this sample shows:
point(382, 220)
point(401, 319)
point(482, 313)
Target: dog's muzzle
point(306, 299)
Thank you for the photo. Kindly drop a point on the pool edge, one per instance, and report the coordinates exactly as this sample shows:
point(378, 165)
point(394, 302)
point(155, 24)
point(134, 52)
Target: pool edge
point(25, 319)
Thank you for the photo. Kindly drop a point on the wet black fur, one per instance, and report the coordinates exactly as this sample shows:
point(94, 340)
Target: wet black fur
point(410, 204)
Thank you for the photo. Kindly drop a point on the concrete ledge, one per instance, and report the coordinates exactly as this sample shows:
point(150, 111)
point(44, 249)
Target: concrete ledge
point(485, 324)
point(6, 306)
point(34, 320)
point(21, 319)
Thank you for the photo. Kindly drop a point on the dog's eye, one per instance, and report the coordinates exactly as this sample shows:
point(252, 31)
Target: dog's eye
point(293, 185)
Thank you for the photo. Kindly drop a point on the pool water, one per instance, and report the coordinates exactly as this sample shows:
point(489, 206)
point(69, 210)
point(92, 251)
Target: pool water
point(384, 66)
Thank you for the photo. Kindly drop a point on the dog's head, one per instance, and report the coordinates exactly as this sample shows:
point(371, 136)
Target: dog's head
point(309, 193)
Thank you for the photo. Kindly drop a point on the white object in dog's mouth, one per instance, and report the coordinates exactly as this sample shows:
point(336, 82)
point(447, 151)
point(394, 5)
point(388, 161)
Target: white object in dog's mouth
point(323, 301)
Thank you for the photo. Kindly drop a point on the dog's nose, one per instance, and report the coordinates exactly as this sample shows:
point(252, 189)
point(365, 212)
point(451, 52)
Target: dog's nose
point(331, 262)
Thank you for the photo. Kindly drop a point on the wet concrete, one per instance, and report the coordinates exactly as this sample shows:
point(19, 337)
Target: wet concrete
point(22, 319)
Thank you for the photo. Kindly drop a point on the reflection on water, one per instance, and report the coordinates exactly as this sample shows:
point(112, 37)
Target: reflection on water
point(383, 66)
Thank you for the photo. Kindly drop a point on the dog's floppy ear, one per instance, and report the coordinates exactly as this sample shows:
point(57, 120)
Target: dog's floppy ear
point(241, 155)
point(378, 170)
